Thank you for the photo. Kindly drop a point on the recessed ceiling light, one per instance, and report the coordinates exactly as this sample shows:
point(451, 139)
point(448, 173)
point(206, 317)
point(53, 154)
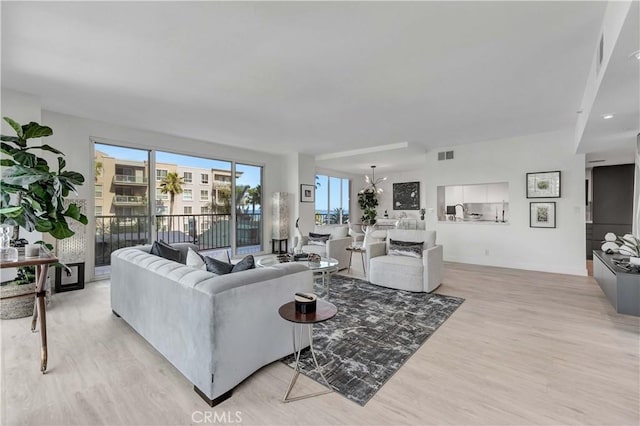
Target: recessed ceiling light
point(607, 116)
point(635, 54)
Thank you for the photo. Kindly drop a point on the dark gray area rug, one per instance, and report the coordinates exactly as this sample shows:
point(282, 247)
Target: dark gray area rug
point(374, 333)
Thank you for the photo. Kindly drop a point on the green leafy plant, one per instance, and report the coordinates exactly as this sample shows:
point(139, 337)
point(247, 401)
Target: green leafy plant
point(31, 194)
point(368, 201)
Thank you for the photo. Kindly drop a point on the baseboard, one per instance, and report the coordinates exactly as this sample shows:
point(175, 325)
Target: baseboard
point(554, 269)
point(216, 401)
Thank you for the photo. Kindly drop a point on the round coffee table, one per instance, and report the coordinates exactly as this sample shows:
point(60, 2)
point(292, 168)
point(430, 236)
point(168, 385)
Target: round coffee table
point(324, 311)
point(327, 267)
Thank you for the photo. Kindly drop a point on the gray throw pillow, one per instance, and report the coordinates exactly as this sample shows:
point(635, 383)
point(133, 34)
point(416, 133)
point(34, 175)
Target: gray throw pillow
point(216, 266)
point(245, 264)
point(162, 249)
point(406, 248)
point(318, 239)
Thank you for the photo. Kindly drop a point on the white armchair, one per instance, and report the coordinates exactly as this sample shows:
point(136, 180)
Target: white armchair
point(404, 272)
point(336, 246)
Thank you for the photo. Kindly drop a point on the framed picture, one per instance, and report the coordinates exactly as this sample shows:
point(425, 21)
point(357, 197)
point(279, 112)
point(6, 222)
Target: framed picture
point(542, 214)
point(406, 196)
point(307, 193)
point(543, 185)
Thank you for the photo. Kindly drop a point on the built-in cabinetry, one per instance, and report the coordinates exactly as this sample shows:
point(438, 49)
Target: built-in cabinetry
point(621, 288)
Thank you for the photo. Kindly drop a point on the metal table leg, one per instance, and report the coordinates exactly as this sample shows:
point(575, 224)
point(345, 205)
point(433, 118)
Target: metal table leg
point(296, 371)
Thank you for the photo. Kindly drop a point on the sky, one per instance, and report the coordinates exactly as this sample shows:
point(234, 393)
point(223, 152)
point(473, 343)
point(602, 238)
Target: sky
point(250, 175)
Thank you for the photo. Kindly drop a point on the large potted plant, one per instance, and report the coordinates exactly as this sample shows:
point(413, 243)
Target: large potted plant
point(368, 201)
point(32, 196)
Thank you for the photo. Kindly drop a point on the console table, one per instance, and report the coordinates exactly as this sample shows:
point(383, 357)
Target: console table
point(42, 267)
point(622, 288)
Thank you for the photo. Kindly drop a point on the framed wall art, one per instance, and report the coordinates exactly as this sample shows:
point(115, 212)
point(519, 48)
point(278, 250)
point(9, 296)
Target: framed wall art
point(406, 196)
point(542, 214)
point(307, 193)
point(543, 185)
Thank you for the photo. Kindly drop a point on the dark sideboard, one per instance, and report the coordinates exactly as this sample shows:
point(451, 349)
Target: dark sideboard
point(622, 288)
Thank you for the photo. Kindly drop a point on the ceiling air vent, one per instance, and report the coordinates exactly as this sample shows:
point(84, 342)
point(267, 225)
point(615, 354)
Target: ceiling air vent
point(445, 155)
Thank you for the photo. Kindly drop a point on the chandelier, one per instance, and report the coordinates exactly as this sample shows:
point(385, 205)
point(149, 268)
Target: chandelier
point(372, 183)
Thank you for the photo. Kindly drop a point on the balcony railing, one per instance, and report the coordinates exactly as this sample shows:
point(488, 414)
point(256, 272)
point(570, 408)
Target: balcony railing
point(207, 231)
point(331, 218)
point(130, 200)
point(130, 180)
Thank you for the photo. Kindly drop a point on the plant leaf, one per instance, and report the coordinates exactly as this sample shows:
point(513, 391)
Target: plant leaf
point(15, 126)
point(7, 162)
point(10, 139)
point(61, 230)
point(73, 177)
point(35, 130)
point(26, 158)
point(73, 211)
point(7, 149)
point(61, 164)
point(11, 211)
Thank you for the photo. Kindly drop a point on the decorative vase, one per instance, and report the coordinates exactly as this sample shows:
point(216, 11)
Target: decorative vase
point(17, 301)
point(7, 253)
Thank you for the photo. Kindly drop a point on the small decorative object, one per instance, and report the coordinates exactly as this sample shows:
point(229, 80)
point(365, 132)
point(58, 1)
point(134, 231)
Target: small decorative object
point(542, 215)
point(610, 247)
point(298, 238)
point(406, 196)
point(314, 258)
point(422, 213)
point(386, 215)
point(284, 258)
point(610, 237)
point(7, 253)
point(307, 193)
point(630, 246)
point(305, 303)
point(543, 185)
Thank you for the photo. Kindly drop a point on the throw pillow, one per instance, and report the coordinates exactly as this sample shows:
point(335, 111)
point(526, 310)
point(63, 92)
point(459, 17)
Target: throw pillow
point(245, 264)
point(216, 266)
point(162, 249)
point(318, 239)
point(406, 248)
point(195, 260)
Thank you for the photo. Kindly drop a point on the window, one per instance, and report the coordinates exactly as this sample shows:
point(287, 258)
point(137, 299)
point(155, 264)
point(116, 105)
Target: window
point(160, 195)
point(187, 195)
point(188, 210)
point(187, 177)
point(98, 210)
point(332, 199)
point(223, 178)
point(204, 178)
point(204, 210)
point(161, 174)
point(98, 191)
point(204, 195)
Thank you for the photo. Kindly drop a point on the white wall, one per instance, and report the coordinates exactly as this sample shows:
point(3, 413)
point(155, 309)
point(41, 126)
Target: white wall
point(636, 194)
point(515, 245)
point(300, 169)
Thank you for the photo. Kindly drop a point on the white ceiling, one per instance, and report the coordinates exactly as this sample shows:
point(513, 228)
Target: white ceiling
point(313, 77)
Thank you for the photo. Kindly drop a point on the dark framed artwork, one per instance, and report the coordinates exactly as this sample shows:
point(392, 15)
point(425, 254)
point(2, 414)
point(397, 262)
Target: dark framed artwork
point(542, 214)
point(406, 196)
point(543, 185)
point(307, 193)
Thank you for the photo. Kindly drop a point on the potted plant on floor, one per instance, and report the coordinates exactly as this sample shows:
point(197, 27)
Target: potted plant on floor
point(368, 201)
point(32, 196)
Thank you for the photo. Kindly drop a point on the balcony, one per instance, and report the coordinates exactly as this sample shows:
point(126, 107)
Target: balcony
point(130, 180)
point(129, 200)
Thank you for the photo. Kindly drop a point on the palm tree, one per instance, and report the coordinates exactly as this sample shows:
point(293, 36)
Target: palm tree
point(171, 184)
point(254, 196)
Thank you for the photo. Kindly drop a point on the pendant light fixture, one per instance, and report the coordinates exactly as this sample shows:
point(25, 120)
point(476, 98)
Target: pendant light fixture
point(373, 183)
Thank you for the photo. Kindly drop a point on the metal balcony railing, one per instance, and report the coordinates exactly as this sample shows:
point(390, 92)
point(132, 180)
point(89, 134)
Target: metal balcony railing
point(130, 180)
point(130, 200)
point(207, 231)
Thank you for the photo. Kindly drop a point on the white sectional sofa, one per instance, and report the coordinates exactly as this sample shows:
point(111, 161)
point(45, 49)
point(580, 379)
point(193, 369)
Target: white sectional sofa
point(216, 330)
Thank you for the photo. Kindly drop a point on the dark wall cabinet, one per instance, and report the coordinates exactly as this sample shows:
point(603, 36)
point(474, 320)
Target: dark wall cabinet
point(612, 203)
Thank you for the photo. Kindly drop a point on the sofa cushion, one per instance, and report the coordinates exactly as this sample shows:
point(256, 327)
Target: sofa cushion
point(216, 266)
point(389, 269)
point(245, 264)
point(406, 248)
point(318, 239)
point(195, 260)
point(336, 231)
point(164, 250)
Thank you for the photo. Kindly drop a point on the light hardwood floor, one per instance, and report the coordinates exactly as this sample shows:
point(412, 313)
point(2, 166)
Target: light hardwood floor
point(525, 348)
